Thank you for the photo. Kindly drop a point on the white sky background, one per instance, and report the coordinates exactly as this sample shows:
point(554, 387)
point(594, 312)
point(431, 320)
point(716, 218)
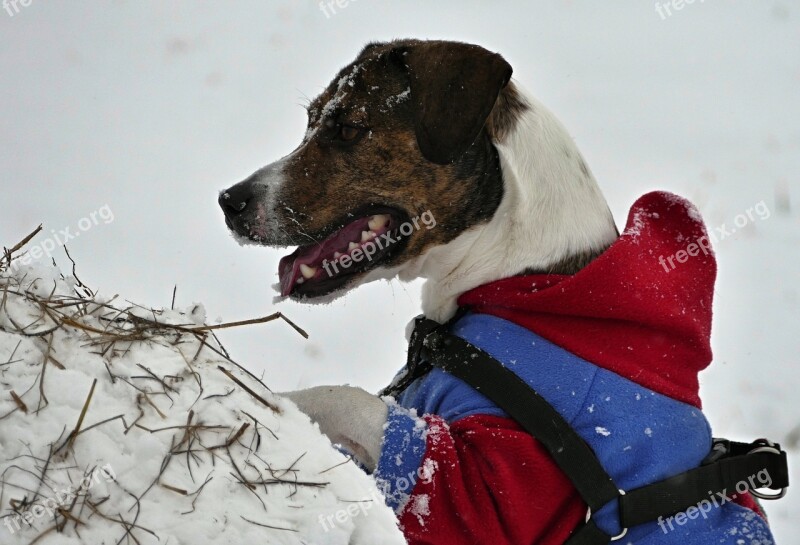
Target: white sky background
point(152, 107)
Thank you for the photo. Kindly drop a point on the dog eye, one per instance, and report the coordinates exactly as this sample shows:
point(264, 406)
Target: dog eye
point(348, 133)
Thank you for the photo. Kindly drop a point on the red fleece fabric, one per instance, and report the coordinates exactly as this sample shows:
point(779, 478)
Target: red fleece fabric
point(642, 309)
point(479, 499)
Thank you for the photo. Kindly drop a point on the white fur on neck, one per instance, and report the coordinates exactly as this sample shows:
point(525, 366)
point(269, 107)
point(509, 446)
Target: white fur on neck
point(550, 210)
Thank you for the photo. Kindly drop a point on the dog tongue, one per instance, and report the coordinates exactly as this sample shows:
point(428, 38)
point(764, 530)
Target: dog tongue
point(289, 266)
point(314, 254)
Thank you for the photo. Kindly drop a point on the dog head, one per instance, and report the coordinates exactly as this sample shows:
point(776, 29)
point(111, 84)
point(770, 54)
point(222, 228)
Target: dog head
point(400, 158)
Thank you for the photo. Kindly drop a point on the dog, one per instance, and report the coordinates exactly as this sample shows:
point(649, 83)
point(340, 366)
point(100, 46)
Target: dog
point(424, 159)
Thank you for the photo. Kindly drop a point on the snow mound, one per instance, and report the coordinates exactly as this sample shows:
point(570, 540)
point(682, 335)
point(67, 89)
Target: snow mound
point(120, 424)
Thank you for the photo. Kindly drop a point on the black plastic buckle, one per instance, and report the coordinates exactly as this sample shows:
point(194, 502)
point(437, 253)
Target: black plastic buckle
point(720, 448)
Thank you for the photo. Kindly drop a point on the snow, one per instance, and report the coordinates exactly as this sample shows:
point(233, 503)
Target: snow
point(420, 508)
point(398, 98)
point(341, 92)
point(600, 430)
point(166, 435)
point(153, 107)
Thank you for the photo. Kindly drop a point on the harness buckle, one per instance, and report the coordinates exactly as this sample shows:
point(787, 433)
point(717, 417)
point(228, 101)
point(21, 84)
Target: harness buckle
point(720, 448)
point(616, 537)
point(765, 445)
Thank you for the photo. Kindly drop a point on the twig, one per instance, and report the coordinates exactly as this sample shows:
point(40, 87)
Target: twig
point(180, 491)
point(233, 439)
point(265, 319)
point(260, 424)
point(267, 525)
point(45, 532)
point(19, 402)
point(349, 458)
point(87, 290)
point(9, 251)
point(11, 357)
point(248, 390)
point(156, 377)
point(150, 402)
point(42, 396)
point(197, 492)
point(74, 433)
point(106, 421)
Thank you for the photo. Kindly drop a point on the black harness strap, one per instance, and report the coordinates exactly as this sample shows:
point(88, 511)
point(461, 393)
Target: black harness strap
point(416, 366)
point(480, 370)
point(730, 464)
point(715, 482)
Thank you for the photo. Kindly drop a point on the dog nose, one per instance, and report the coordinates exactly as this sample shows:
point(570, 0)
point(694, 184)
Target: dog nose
point(235, 200)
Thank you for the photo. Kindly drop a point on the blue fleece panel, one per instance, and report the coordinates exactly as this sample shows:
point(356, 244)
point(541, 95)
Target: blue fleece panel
point(640, 436)
point(401, 456)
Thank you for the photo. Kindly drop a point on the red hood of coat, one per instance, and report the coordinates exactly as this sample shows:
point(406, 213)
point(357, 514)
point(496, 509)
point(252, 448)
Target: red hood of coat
point(642, 309)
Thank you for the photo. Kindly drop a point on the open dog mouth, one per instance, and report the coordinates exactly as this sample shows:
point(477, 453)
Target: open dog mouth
point(323, 267)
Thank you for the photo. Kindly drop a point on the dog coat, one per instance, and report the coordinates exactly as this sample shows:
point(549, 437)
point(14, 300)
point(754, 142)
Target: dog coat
point(616, 349)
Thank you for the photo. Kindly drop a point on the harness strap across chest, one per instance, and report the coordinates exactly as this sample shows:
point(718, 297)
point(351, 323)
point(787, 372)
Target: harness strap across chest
point(728, 465)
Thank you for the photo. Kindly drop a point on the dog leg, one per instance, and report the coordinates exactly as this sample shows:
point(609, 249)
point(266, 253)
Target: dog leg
point(349, 416)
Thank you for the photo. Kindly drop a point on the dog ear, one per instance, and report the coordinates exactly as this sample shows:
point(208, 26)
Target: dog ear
point(453, 89)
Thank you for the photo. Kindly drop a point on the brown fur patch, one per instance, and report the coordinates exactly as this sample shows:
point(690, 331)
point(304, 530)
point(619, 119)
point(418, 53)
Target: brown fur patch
point(328, 182)
point(507, 110)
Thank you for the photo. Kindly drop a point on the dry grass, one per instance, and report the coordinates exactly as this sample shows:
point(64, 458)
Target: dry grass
point(122, 327)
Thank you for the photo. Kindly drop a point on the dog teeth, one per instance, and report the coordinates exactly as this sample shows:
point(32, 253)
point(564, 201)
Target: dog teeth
point(352, 246)
point(299, 280)
point(306, 271)
point(337, 255)
point(378, 221)
point(367, 235)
